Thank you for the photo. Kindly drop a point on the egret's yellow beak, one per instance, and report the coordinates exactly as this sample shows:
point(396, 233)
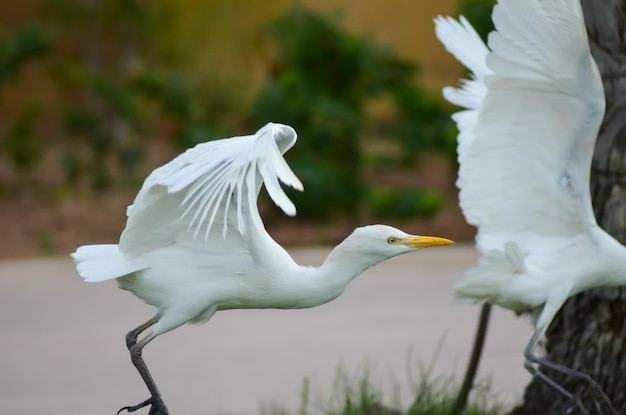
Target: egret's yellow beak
point(416, 241)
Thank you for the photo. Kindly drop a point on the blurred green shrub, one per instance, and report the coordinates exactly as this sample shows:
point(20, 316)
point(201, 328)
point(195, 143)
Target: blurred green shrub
point(424, 125)
point(404, 204)
point(103, 128)
point(122, 111)
point(320, 83)
point(25, 44)
point(118, 91)
point(478, 12)
point(101, 114)
point(192, 109)
point(20, 143)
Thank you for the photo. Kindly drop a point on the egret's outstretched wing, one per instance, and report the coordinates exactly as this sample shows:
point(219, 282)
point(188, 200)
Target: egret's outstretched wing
point(462, 41)
point(214, 183)
point(525, 169)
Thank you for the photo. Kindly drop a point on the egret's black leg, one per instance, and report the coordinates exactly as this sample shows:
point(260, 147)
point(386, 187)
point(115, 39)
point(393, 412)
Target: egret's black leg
point(472, 366)
point(157, 406)
point(531, 360)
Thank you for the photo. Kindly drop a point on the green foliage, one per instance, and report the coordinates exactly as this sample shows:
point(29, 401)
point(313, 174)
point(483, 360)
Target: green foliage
point(321, 81)
point(106, 123)
point(352, 395)
point(436, 396)
point(24, 45)
point(478, 12)
point(116, 90)
point(118, 114)
point(425, 124)
point(333, 63)
point(361, 395)
point(21, 142)
point(45, 243)
point(404, 204)
point(102, 114)
point(185, 104)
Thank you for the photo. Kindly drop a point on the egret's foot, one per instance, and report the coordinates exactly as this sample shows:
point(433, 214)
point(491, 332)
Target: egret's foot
point(135, 407)
point(573, 404)
point(601, 400)
point(157, 407)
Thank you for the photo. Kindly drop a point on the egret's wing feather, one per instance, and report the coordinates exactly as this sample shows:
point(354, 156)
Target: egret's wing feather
point(214, 183)
point(462, 41)
point(525, 172)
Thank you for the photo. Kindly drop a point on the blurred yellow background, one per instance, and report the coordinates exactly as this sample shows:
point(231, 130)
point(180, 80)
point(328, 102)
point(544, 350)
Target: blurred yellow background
point(222, 45)
point(224, 40)
point(224, 37)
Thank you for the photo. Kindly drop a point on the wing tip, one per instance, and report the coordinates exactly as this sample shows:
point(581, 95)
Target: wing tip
point(284, 135)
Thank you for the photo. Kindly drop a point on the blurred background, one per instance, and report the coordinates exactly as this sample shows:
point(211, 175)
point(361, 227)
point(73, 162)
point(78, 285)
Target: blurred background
point(95, 94)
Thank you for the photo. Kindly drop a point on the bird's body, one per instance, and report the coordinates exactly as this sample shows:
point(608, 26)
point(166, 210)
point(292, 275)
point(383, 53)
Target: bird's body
point(194, 242)
point(190, 286)
point(530, 282)
point(533, 108)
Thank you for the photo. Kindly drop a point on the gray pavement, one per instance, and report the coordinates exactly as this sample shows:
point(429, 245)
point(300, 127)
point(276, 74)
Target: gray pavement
point(62, 341)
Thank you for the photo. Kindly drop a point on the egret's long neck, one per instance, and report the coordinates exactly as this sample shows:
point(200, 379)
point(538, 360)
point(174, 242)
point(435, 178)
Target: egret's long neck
point(304, 286)
point(345, 263)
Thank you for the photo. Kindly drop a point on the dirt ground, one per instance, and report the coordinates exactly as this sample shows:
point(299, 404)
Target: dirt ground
point(63, 350)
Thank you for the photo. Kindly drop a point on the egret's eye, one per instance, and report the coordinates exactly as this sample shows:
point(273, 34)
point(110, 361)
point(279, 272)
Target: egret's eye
point(391, 240)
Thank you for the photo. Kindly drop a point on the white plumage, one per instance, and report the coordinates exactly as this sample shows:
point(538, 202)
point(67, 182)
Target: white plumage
point(194, 242)
point(534, 105)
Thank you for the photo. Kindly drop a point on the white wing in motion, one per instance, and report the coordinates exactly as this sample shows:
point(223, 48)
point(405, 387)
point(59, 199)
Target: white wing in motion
point(534, 110)
point(462, 41)
point(214, 183)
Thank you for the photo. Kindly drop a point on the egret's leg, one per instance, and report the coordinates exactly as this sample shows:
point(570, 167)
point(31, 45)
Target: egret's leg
point(472, 366)
point(531, 359)
point(572, 400)
point(157, 405)
point(131, 336)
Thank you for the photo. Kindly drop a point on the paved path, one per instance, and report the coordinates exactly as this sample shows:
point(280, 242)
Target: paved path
point(62, 341)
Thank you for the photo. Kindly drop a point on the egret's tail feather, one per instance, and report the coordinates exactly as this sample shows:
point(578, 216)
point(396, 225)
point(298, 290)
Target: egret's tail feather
point(485, 280)
point(102, 262)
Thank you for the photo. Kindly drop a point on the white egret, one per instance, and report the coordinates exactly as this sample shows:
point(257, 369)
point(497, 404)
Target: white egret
point(534, 105)
point(194, 243)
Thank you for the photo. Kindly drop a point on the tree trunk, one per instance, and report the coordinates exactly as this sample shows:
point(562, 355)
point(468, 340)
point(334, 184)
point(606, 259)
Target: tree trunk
point(589, 333)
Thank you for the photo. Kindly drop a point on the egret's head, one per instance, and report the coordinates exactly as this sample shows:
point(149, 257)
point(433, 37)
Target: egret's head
point(387, 241)
point(371, 245)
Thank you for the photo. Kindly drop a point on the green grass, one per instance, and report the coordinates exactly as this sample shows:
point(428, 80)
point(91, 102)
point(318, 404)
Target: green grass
point(45, 243)
point(436, 396)
point(360, 395)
